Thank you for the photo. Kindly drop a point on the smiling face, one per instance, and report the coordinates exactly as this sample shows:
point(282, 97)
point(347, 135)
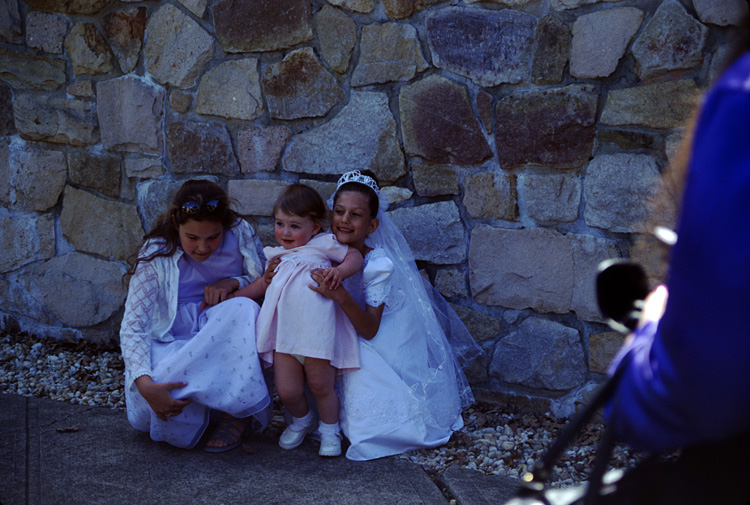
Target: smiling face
point(351, 221)
point(294, 231)
point(199, 239)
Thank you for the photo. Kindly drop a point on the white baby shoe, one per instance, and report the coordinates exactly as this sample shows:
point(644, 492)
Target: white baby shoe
point(330, 444)
point(295, 433)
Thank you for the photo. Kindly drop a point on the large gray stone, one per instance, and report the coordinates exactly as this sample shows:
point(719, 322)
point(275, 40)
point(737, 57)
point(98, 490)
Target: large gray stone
point(201, 148)
point(490, 47)
point(10, 22)
point(87, 50)
point(99, 172)
point(362, 135)
point(552, 197)
point(589, 57)
point(617, 188)
point(553, 128)
point(388, 52)
point(438, 123)
point(124, 29)
point(96, 285)
point(85, 217)
point(434, 232)
point(131, 113)
point(31, 179)
point(32, 236)
point(231, 90)
point(27, 71)
point(177, 48)
point(56, 120)
point(259, 149)
point(45, 31)
point(672, 40)
point(299, 86)
point(551, 48)
point(661, 105)
point(721, 12)
point(540, 354)
point(520, 269)
point(255, 198)
point(337, 36)
point(262, 25)
point(537, 269)
point(491, 195)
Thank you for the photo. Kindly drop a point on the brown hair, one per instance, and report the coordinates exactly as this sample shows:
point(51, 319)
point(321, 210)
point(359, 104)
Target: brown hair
point(168, 223)
point(303, 201)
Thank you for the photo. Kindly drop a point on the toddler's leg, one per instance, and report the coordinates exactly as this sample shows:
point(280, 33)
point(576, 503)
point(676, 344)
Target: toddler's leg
point(320, 379)
point(290, 377)
point(290, 383)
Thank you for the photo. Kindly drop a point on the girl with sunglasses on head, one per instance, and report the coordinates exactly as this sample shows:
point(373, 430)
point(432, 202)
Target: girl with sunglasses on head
point(188, 349)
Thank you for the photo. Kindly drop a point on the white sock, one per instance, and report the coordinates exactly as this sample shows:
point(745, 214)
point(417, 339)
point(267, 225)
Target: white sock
point(300, 423)
point(329, 429)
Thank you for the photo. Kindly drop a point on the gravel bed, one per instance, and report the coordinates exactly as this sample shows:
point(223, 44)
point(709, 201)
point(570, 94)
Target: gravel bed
point(494, 441)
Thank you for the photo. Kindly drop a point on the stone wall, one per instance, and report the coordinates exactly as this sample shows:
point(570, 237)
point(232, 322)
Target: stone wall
point(518, 140)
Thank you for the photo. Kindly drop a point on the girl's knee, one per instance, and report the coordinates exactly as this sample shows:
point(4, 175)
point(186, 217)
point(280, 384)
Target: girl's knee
point(319, 387)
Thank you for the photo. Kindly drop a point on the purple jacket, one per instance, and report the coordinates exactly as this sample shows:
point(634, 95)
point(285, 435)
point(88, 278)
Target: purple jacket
point(688, 381)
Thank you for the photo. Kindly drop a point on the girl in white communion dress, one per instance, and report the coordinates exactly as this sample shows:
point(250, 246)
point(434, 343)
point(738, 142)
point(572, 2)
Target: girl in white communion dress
point(410, 389)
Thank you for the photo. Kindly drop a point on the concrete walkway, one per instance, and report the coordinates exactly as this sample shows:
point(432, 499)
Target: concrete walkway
point(54, 452)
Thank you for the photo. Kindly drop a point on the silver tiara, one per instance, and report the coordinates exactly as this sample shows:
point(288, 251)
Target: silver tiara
point(356, 176)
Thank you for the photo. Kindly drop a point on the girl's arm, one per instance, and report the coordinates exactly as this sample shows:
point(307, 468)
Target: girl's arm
point(135, 341)
point(258, 287)
point(366, 322)
point(351, 264)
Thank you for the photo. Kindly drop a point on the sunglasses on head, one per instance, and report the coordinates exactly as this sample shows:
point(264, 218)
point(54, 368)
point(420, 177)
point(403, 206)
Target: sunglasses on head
point(192, 207)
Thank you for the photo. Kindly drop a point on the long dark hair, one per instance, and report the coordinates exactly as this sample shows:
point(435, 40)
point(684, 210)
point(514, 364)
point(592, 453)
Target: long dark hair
point(167, 224)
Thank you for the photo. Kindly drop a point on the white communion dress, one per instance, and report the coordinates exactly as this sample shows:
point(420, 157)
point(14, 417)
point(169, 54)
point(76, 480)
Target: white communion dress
point(409, 391)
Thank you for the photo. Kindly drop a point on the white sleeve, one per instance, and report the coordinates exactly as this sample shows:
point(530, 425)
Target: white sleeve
point(135, 331)
point(376, 278)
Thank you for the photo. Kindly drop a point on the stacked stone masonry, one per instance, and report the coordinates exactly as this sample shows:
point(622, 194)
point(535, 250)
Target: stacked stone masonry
point(518, 140)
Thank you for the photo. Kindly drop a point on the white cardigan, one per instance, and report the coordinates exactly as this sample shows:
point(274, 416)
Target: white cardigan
point(151, 305)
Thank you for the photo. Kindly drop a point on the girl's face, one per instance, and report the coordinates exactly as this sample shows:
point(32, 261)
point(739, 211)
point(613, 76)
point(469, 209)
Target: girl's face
point(294, 231)
point(199, 239)
point(351, 221)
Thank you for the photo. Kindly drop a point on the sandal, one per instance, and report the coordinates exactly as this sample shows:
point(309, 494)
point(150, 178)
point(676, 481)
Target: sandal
point(229, 431)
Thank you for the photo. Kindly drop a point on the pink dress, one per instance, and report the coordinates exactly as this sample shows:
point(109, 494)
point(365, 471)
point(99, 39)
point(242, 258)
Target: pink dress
point(295, 319)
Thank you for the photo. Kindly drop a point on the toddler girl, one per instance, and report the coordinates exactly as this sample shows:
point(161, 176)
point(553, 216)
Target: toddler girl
point(299, 331)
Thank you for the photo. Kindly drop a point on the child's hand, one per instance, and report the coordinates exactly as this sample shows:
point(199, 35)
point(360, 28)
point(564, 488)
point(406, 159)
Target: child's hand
point(270, 270)
point(332, 277)
point(337, 294)
point(215, 293)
